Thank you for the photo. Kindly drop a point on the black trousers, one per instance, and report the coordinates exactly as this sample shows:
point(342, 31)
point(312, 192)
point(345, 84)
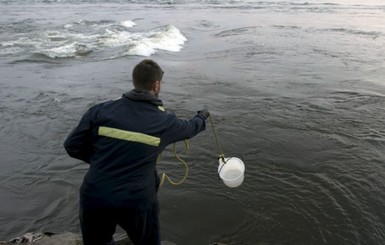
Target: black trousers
point(98, 224)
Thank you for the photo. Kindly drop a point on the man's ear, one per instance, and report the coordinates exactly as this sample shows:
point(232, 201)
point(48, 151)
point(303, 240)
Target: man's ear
point(156, 86)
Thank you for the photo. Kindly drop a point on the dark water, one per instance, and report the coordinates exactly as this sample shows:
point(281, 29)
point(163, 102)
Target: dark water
point(296, 90)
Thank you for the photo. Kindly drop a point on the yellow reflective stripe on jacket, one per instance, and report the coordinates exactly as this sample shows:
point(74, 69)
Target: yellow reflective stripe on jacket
point(129, 136)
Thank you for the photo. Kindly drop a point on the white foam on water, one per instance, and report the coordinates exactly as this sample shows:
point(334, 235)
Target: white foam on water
point(81, 38)
point(10, 50)
point(114, 38)
point(127, 23)
point(66, 51)
point(23, 41)
point(167, 38)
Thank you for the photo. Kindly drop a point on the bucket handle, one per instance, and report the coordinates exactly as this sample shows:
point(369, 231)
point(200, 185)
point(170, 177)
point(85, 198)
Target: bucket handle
point(224, 162)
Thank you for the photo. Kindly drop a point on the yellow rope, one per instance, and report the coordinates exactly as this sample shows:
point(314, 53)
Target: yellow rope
point(221, 155)
point(165, 176)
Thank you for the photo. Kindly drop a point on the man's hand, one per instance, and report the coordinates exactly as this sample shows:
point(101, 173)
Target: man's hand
point(204, 113)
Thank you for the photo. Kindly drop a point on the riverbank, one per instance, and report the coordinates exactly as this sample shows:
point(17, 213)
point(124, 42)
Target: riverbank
point(67, 238)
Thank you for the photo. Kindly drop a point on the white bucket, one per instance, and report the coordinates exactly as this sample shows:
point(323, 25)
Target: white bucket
point(231, 171)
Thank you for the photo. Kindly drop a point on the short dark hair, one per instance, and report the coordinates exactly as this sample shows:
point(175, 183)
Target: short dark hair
point(145, 74)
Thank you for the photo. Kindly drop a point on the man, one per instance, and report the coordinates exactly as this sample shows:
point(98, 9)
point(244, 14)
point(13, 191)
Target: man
point(121, 140)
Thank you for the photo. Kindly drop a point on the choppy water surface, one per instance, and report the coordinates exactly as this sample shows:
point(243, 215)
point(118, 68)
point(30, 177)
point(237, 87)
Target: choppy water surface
point(296, 90)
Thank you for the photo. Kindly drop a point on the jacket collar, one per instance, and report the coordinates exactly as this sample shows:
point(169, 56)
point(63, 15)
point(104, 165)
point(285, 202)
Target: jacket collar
point(140, 95)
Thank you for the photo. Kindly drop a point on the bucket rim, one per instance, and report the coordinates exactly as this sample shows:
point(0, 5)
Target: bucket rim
point(238, 161)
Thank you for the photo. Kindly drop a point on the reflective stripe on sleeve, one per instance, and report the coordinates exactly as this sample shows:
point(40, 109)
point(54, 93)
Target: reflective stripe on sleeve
point(129, 136)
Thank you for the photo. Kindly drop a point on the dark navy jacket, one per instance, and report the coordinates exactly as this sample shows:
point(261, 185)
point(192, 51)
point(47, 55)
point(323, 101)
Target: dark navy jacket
point(121, 140)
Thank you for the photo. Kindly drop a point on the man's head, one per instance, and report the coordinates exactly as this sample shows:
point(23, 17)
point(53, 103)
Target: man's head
point(147, 76)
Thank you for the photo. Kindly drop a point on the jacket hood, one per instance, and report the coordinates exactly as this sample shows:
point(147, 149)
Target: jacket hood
point(140, 95)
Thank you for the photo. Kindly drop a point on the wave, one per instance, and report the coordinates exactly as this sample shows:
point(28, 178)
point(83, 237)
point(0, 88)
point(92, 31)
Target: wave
point(210, 2)
point(206, 3)
point(167, 38)
point(354, 32)
point(238, 31)
point(66, 51)
point(175, 2)
point(82, 38)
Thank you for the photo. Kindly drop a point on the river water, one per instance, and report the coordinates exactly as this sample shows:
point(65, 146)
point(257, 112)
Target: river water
point(296, 90)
